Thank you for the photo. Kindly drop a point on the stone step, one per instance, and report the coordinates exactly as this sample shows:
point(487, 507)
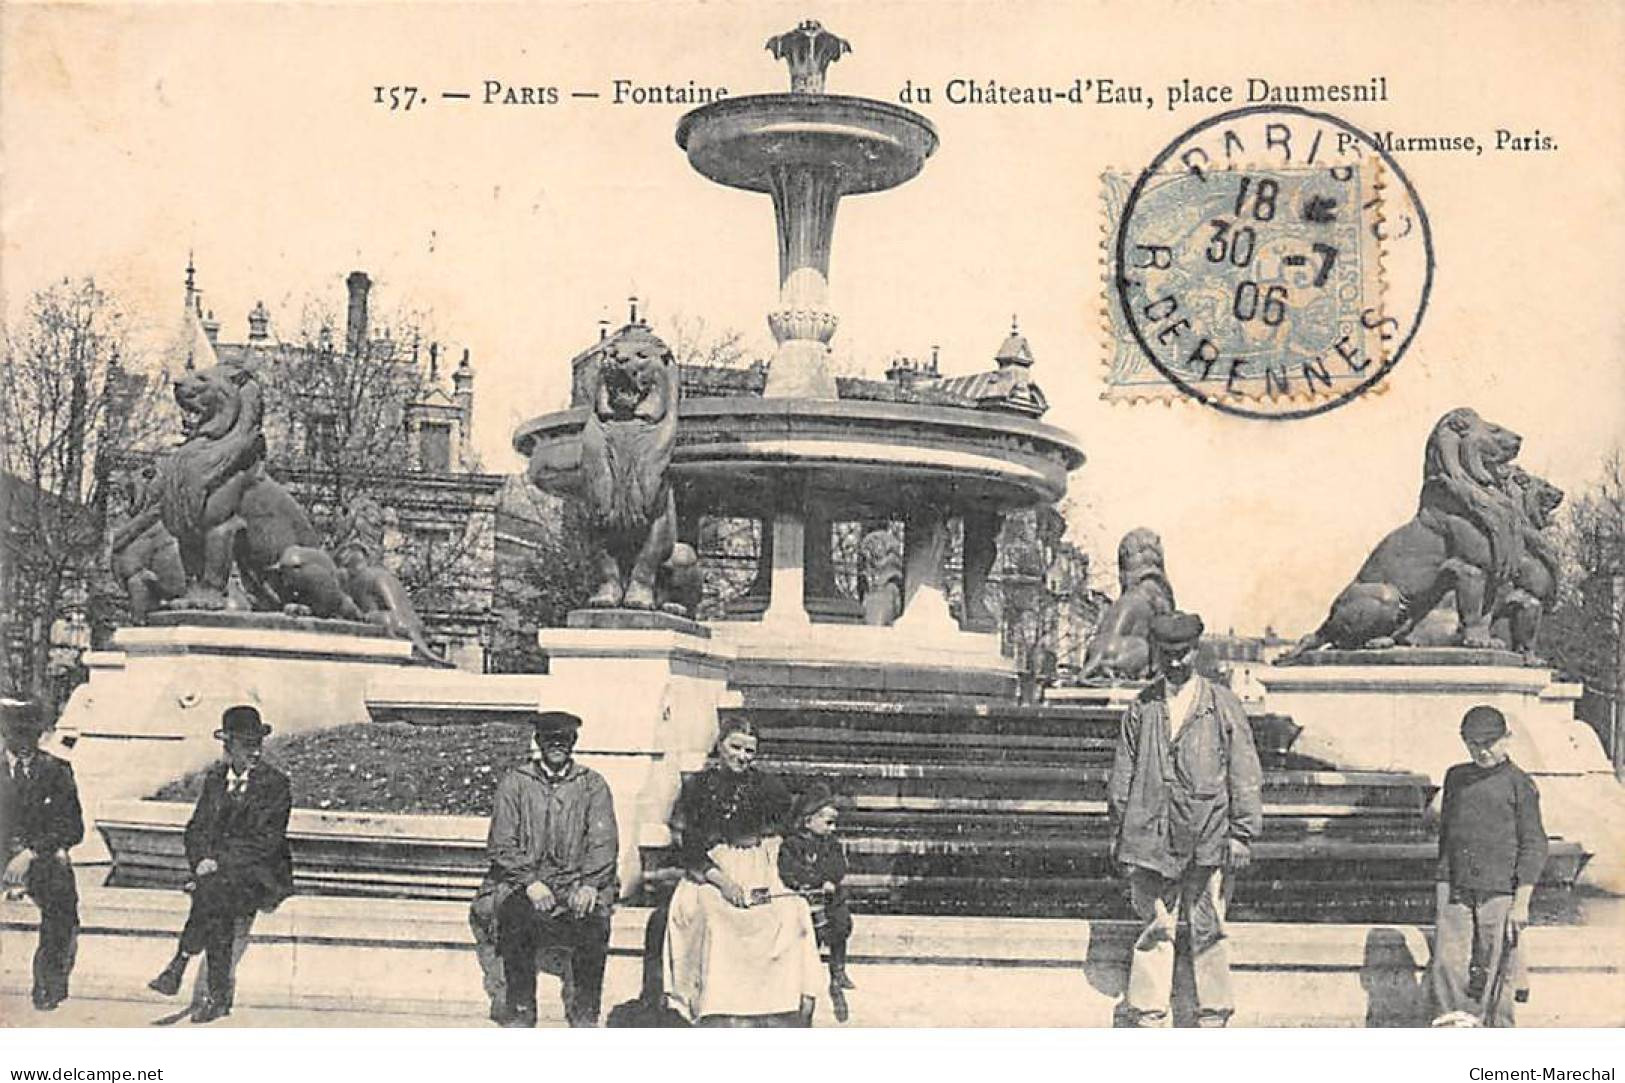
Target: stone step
point(817, 741)
point(417, 958)
point(1003, 720)
point(856, 776)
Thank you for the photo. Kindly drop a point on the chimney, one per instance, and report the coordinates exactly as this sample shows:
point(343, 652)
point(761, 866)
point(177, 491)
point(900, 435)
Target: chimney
point(355, 325)
point(211, 328)
point(462, 383)
point(259, 323)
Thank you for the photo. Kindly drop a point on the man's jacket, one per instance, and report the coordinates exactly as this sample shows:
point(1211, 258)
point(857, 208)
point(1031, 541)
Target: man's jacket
point(560, 832)
point(247, 836)
point(1176, 801)
point(41, 812)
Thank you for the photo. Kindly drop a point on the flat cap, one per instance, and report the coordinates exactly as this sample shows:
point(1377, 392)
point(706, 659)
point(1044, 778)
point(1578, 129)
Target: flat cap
point(551, 722)
point(1176, 629)
point(1483, 724)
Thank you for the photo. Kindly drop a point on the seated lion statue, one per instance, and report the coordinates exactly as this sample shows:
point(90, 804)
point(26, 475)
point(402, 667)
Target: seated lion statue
point(1121, 646)
point(146, 560)
point(216, 499)
point(1533, 589)
point(626, 448)
point(1466, 537)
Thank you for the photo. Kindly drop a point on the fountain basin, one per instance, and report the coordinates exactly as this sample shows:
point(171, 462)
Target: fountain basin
point(870, 145)
point(736, 456)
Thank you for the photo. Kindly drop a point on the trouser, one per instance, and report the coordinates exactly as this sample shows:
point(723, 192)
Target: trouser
point(50, 884)
point(1468, 944)
point(834, 929)
point(521, 930)
point(218, 900)
point(1199, 897)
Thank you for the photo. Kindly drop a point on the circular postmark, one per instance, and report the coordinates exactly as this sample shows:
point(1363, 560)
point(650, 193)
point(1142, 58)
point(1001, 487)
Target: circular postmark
point(1272, 262)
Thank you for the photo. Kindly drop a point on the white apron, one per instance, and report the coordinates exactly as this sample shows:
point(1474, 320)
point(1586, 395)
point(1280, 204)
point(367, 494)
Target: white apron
point(724, 960)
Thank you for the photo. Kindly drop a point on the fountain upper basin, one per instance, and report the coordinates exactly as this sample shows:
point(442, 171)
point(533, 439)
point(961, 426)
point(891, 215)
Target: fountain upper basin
point(872, 145)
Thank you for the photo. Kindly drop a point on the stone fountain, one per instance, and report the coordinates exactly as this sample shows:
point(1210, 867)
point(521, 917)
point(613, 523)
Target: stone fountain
point(799, 458)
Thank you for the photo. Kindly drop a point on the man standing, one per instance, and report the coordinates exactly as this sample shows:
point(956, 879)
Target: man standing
point(552, 882)
point(237, 848)
point(39, 811)
point(1185, 807)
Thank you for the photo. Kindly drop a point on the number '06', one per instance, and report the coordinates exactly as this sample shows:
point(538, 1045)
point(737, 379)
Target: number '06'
point(1247, 304)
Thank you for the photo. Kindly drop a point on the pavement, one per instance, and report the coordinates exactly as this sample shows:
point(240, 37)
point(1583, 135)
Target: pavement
point(16, 1010)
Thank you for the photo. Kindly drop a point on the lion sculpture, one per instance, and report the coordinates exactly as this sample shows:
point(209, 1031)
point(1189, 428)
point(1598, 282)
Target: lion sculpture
point(626, 448)
point(223, 508)
point(1121, 646)
point(146, 559)
point(1535, 580)
point(1467, 537)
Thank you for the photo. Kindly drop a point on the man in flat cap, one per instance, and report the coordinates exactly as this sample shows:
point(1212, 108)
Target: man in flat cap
point(39, 812)
point(237, 849)
point(1185, 807)
point(1492, 847)
point(552, 882)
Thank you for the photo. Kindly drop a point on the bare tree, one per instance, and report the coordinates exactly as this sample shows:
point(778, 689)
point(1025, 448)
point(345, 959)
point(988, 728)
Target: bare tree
point(694, 342)
point(1585, 633)
point(72, 402)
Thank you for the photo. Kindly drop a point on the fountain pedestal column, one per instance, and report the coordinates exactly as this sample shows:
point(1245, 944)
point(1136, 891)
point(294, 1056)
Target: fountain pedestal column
point(804, 202)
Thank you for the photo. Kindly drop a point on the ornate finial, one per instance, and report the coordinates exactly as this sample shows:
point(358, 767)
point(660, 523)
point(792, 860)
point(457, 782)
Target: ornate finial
point(1015, 328)
point(810, 50)
point(191, 275)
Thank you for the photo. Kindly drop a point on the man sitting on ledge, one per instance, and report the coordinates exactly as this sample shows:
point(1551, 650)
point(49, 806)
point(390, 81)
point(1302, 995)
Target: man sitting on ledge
point(552, 881)
point(237, 849)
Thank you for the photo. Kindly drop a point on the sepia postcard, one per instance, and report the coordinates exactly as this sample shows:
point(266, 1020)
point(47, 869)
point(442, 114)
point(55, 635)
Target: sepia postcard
point(842, 515)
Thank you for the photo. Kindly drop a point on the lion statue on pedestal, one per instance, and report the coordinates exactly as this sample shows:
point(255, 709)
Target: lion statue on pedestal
point(626, 448)
point(1121, 646)
point(1468, 536)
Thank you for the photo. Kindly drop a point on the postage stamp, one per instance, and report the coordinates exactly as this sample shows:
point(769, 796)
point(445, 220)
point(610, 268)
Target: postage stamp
point(1248, 267)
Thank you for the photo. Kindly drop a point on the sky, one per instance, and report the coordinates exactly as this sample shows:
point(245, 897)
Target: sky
point(250, 137)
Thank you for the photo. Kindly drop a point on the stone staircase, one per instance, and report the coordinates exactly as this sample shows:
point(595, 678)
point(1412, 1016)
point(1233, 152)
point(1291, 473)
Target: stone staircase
point(1000, 810)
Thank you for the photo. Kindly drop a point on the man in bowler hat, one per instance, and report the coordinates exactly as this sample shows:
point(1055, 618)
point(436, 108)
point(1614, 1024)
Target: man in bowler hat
point(39, 812)
point(237, 849)
point(1185, 804)
point(552, 881)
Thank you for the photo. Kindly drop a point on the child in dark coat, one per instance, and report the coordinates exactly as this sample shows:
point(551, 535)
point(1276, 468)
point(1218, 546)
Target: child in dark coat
point(811, 861)
point(1492, 846)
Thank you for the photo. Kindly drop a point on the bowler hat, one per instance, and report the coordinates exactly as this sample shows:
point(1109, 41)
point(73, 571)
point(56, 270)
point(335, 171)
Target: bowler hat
point(22, 718)
point(1176, 629)
point(241, 721)
point(549, 723)
point(1483, 724)
point(816, 797)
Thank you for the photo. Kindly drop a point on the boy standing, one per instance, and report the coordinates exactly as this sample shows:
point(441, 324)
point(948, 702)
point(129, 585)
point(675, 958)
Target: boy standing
point(1492, 847)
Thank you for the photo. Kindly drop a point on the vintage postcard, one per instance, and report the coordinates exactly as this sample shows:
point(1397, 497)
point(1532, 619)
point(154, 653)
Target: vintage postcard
point(902, 514)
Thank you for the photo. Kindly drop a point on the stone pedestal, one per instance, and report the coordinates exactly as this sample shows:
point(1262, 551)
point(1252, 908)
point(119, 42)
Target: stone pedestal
point(1401, 710)
point(647, 687)
point(150, 709)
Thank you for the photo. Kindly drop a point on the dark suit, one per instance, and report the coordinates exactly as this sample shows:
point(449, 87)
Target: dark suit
point(246, 834)
point(41, 813)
